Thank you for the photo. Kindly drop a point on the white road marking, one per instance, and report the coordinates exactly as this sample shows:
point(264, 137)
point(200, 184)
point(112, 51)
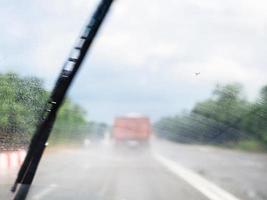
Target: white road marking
point(209, 189)
point(45, 192)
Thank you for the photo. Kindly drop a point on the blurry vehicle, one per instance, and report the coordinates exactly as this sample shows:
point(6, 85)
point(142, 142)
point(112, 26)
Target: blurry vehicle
point(131, 130)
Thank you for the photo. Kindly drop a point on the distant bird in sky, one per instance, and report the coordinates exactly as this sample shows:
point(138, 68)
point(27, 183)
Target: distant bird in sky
point(197, 73)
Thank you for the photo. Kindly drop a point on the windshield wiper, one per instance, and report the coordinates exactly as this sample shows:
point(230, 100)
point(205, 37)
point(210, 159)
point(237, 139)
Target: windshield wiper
point(70, 68)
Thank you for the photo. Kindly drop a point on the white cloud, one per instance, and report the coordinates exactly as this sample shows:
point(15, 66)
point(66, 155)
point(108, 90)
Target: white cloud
point(160, 43)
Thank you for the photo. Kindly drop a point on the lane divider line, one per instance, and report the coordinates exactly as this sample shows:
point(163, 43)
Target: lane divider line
point(207, 188)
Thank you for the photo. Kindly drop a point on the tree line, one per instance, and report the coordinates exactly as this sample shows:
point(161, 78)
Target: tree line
point(22, 100)
point(226, 118)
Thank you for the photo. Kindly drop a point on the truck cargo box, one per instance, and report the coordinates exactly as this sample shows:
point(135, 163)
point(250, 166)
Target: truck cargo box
point(131, 128)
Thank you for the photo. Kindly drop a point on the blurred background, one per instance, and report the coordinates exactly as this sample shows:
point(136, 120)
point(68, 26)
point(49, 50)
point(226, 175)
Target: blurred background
point(195, 69)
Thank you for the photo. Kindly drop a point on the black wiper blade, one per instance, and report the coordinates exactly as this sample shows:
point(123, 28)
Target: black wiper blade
point(70, 68)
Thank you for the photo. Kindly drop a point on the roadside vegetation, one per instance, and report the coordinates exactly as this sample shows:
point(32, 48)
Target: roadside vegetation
point(225, 119)
point(22, 100)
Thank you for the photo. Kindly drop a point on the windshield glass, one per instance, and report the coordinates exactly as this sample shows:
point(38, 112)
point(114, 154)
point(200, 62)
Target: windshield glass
point(170, 102)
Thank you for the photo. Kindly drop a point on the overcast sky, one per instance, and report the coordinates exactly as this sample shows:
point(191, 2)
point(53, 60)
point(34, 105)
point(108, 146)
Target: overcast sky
point(145, 58)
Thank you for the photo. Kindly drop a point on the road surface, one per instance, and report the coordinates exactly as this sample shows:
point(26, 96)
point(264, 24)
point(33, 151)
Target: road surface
point(165, 171)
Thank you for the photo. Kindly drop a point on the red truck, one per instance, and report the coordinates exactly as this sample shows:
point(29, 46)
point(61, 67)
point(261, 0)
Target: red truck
point(131, 130)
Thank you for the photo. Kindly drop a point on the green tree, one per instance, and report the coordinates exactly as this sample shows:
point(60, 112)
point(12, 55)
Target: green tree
point(71, 124)
point(255, 121)
point(215, 120)
point(227, 105)
point(22, 100)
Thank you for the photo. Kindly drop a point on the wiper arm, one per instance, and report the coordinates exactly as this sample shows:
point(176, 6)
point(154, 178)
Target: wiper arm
point(70, 68)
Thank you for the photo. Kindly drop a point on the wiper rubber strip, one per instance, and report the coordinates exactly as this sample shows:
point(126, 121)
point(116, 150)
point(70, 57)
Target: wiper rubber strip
point(70, 68)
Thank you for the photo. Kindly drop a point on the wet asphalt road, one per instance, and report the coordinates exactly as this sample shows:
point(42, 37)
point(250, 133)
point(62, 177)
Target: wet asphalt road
point(102, 172)
point(110, 174)
point(243, 174)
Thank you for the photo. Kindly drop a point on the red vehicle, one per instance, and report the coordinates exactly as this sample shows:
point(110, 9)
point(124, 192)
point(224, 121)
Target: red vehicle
point(131, 130)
